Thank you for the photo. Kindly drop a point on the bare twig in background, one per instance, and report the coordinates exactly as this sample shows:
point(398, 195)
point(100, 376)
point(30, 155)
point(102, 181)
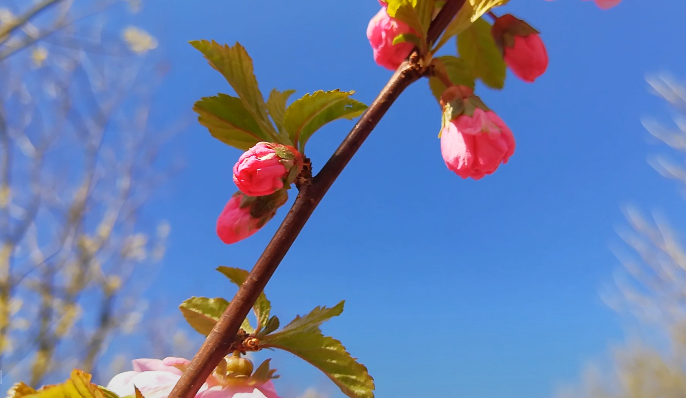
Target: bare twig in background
point(78, 163)
point(651, 287)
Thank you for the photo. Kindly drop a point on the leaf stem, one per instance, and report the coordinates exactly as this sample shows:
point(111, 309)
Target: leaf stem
point(220, 339)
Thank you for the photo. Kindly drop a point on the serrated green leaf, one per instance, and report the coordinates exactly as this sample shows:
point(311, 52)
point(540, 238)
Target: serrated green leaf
point(236, 66)
point(203, 313)
point(228, 121)
point(329, 356)
point(405, 11)
point(407, 38)
point(478, 50)
point(311, 321)
point(310, 113)
point(262, 306)
point(469, 13)
point(276, 104)
point(425, 10)
point(455, 69)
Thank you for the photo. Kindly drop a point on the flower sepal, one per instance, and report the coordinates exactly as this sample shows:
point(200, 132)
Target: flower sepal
point(507, 27)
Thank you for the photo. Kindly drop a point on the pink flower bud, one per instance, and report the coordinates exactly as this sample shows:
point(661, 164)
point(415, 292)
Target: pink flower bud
point(522, 47)
point(265, 168)
point(607, 4)
point(381, 31)
point(155, 379)
point(473, 146)
point(604, 4)
point(244, 215)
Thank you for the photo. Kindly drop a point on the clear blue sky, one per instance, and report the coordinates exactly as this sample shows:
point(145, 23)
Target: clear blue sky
point(459, 288)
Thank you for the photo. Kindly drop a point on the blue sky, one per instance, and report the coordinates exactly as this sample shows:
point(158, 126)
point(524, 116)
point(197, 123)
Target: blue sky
point(453, 287)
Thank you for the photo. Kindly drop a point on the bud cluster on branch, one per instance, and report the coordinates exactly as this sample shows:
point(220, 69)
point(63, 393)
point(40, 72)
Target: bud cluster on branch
point(405, 36)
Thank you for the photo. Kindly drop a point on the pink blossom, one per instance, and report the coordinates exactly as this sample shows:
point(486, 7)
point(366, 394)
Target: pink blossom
point(474, 146)
point(156, 378)
point(261, 171)
point(381, 31)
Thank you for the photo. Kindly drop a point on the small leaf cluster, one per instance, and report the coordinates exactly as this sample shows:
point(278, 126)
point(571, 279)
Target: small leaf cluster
point(245, 120)
point(478, 56)
point(301, 337)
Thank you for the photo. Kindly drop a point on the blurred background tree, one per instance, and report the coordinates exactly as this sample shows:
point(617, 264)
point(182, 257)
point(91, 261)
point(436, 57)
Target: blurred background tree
point(79, 162)
point(650, 287)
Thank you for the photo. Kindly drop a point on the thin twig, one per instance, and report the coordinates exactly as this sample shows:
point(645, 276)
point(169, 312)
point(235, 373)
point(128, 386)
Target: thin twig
point(29, 41)
point(217, 344)
point(37, 9)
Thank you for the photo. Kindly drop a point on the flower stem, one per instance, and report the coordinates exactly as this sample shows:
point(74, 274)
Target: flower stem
point(492, 15)
point(218, 342)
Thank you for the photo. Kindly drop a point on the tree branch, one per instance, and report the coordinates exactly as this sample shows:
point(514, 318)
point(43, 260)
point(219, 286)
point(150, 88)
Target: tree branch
point(217, 344)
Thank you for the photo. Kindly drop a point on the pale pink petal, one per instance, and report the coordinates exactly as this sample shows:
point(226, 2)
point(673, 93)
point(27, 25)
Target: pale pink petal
point(146, 364)
point(121, 383)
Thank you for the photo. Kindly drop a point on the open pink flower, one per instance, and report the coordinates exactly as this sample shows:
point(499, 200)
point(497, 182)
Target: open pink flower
point(156, 378)
point(265, 168)
point(522, 47)
point(474, 146)
point(381, 31)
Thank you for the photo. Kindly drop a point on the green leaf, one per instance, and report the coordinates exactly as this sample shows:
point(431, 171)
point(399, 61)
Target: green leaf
point(271, 326)
point(276, 104)
point(311, 321)
point(480, 53)
point(425, 10)
point(236, 66)
point(311, 112)
point(203, 313)
point(470, 12)
point(455, 69)
point(407, 38)
point(107, 393)
point(229, 121)
point(262, 305)
point(303, 338)
point(263, 374)
point(404, 10)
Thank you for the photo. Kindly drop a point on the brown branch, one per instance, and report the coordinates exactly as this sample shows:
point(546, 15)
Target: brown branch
point(219, 341)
